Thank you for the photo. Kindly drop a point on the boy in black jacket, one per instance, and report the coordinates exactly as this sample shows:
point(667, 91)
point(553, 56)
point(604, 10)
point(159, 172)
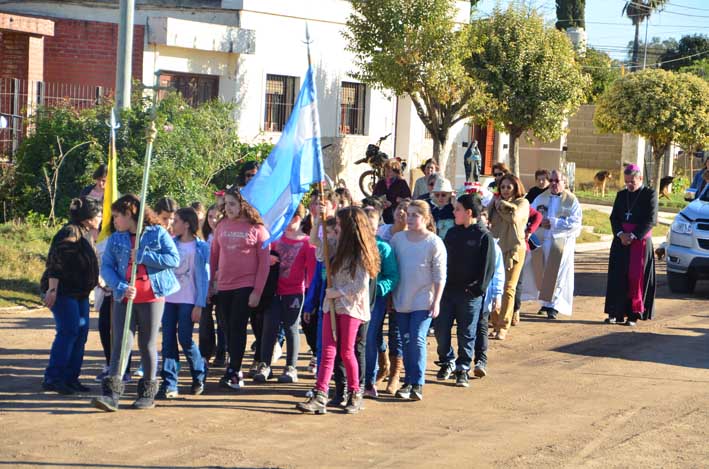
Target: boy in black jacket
point(471, 265)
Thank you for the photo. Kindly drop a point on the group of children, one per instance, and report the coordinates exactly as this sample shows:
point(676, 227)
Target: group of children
point(337, 272)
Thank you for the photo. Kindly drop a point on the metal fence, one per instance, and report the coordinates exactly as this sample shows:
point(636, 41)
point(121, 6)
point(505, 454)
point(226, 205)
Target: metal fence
point(20, 98)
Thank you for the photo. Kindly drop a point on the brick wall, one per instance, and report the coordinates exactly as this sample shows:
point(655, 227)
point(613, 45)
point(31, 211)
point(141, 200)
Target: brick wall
point(14, 50)
point(589, 148)
point(84, 53)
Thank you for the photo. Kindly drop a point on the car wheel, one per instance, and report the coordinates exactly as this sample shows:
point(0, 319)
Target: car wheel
point(681, 283)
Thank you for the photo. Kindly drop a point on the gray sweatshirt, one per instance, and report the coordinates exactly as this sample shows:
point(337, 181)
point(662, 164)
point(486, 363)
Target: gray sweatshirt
point(421, 264)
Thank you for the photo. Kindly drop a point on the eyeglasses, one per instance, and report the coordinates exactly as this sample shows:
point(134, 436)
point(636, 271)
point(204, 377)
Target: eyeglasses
point(497, 175)
point(554, 181)
point(440, 195)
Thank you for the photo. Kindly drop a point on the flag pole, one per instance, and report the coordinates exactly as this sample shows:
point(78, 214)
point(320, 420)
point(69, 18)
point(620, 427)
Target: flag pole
point(151, 133)
point(325, 250)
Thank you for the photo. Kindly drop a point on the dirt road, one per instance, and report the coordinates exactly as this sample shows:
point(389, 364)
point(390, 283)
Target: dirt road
point(574, 393)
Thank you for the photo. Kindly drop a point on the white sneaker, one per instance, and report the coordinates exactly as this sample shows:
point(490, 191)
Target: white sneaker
point(138, 373)
point(236, 381)
point(290, 375)
point(313, 366)
point(277, 352)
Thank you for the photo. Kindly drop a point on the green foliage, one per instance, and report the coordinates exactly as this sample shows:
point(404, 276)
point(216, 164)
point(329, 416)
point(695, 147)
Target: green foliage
point(570, 13)
point(600, 68)
point(699, 68)
point(22, 259)
point(415, 48)
point(662, 106)
point(656, 50)
point(530, 71)
point(196, 151)
point(685, 53)
point(680, 184)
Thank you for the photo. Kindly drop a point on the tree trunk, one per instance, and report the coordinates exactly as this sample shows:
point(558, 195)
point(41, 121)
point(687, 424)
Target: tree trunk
point(658, 154)
point(636, 47)
point(441, 153)
point(515, 135)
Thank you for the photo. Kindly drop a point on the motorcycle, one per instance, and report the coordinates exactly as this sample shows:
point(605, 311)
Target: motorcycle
point(376, 159)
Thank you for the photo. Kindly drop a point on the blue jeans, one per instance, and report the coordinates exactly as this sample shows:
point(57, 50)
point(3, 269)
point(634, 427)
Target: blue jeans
point(396, 345)
point(464, 309)
point(72, 328)
point(177, 326)
point(375, 340)
point(481, 343)
point(413, 327)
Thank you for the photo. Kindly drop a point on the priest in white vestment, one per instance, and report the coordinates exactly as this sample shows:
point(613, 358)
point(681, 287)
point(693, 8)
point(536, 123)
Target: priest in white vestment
point(548, 274)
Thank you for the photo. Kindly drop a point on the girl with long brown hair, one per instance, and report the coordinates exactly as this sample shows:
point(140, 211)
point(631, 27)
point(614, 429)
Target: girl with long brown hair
point(509, 212)
point(239, 268)
point(356, 260)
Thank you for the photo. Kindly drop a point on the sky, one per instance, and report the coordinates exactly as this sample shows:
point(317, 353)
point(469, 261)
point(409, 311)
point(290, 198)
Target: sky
point(609, 31)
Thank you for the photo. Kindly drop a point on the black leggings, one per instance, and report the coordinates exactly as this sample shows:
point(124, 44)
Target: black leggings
point(104, 330)
point(234, 305)
point(208, 346)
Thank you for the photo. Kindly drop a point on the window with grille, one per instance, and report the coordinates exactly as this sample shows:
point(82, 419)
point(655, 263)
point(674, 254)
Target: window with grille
point(281, 92)
point(352, 108)
point(195, 89)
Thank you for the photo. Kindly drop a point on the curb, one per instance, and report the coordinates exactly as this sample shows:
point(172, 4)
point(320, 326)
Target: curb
point(606, 245)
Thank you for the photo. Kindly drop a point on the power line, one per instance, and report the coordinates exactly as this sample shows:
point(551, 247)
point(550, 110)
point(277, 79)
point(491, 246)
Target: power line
point(657, 64)
point(688, 8)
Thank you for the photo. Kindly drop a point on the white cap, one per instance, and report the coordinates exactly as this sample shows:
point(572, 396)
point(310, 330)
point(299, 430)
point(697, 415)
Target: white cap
point(442, 185)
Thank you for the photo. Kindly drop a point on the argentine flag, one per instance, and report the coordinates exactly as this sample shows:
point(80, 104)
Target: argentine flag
point(292, 166)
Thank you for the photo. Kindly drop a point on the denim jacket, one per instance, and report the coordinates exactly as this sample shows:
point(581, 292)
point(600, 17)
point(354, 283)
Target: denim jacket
point(156, 251)
point(201, 267)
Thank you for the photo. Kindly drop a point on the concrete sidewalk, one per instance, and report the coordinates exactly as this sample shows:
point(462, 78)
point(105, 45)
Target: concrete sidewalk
point(666, 218)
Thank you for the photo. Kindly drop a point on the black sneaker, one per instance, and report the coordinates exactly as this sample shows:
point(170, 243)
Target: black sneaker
point(404, 392)
point(197, 388)
point(78, 387)
point(417, 392)
point(461, 378)
point(552, 313)
point(631, 323)
point(610, 320)
point(59, 388)
point(445, 372)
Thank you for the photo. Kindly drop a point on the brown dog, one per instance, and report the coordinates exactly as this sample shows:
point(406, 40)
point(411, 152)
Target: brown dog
point(599, 182)
point(666, 186)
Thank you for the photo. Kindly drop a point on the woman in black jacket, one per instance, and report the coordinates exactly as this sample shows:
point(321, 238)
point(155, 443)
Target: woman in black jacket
point(70, 275)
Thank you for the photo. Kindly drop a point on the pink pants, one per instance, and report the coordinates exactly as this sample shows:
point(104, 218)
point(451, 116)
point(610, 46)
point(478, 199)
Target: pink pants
point(347, 335)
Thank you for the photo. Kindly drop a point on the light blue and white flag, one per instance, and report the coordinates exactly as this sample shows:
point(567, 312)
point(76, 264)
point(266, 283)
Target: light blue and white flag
point(292, 166)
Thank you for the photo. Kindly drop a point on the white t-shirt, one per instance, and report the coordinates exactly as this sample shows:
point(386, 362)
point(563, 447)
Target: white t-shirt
point(185, 274)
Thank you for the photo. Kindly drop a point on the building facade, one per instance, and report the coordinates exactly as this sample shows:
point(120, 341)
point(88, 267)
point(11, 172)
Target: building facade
point(251, 52)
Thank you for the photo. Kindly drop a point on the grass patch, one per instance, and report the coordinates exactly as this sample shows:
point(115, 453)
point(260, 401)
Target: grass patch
point(586, 237)
point(602, 225)
point(676, 202)
point(22, 258)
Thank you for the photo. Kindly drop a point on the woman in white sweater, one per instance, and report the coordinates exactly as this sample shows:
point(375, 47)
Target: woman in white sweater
point(421, 256)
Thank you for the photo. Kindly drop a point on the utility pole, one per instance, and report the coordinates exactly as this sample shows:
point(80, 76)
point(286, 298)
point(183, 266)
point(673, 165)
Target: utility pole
point(124, 62)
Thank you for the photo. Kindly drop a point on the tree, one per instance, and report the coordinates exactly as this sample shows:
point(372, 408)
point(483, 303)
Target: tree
point(601, 69)
point(415, 48)
point(688, 50)
point(699, 68)
point(570, 14)
point(639, 11)
point(655, 49)
point(529, 70)
point(196, 151)
point(661, 106)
